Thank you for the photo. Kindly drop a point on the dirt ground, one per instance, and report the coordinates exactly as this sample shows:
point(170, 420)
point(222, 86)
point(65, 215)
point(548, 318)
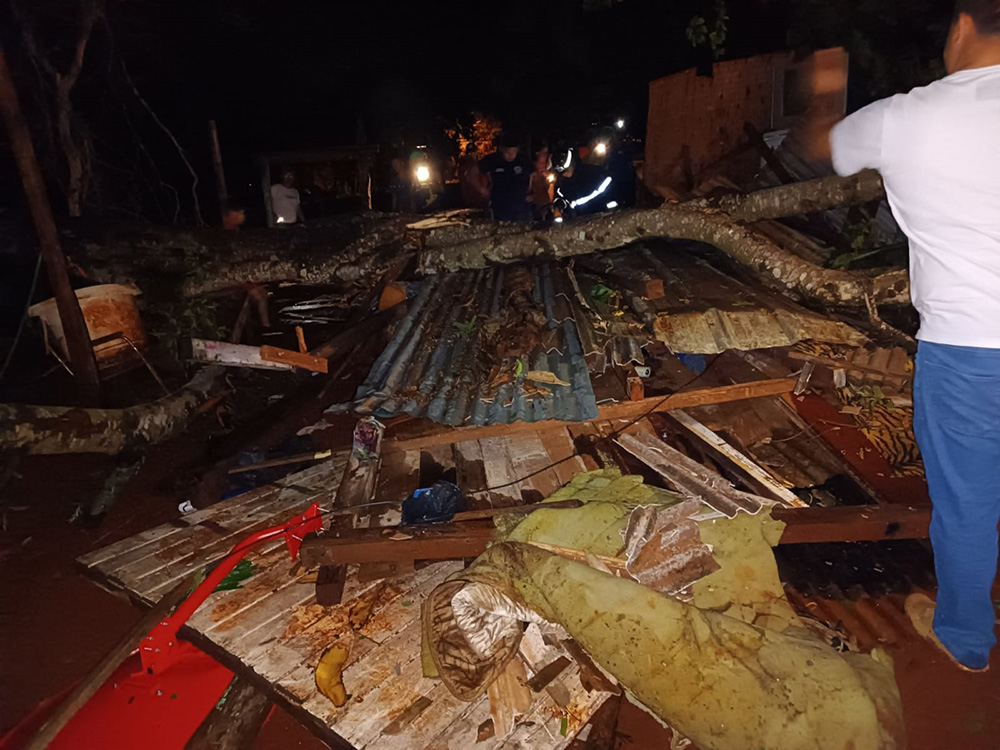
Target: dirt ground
point(55, 624)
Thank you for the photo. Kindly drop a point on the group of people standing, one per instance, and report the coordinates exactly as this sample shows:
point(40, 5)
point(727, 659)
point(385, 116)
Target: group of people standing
point(585, 180)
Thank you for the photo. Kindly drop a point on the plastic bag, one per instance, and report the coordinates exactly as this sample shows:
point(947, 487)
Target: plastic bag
point(435, 504)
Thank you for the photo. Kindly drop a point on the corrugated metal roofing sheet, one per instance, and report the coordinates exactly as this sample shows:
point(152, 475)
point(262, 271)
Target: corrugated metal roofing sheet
point(433, 367)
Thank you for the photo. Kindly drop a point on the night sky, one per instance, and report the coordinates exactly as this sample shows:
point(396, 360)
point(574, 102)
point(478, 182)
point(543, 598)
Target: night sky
point(299, 74)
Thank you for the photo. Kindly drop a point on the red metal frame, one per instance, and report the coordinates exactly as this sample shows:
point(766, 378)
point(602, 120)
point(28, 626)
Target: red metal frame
point(158, 650)
point(161, 693)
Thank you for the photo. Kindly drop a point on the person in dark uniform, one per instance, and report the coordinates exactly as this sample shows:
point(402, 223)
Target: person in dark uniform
point(509, 175)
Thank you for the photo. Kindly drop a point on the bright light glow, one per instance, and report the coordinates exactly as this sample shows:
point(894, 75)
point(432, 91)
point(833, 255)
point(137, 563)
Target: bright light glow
point(620, 123)
point(550, 177)
point(280, 220)
point(601, 148)
point(587, 198)
point(569, 160)
point(559, 220)
point(423, 173)
point(612, 204)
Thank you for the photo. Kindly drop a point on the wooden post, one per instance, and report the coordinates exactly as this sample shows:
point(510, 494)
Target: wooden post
point(81, 352)
point(235, 721)
point(220, 174)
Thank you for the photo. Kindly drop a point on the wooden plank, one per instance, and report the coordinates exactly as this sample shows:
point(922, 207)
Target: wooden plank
point(305, 361)
point(560, 447)
point(509, 697)
point(499, 472)
point(226, 508)
point(290, 660)
point(234, 722)
point(760, 479)
point(529, 454)
point(470, 473)
point(233, 355)
point(687, 475)
point(626, 410)
point(444, 541)
point(148, 581)
point(853, 523)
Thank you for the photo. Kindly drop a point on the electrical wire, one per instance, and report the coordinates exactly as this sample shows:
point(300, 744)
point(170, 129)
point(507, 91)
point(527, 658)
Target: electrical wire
point(576, 453)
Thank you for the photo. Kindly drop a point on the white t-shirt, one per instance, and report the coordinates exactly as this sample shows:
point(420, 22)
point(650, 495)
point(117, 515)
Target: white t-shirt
point(284, 203)
point(938, 149)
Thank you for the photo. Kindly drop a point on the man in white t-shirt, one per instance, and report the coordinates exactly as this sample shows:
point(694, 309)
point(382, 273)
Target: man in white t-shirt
point(285, 201)
point(938, 149)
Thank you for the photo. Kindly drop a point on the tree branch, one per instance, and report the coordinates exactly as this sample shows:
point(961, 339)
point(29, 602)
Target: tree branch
point(180, 151)
point(696, 221)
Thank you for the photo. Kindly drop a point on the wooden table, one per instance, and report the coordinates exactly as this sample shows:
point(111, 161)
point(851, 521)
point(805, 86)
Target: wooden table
point(272, 633)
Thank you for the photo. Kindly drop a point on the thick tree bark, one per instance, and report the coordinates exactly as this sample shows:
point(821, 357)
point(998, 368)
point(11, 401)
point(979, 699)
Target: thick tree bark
point(805, 197)
point(62, 429)
point(697, 221)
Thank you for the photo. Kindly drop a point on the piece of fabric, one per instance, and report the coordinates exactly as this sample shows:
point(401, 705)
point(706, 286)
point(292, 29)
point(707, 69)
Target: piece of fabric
point(957, 421)
point(726, 684)
point(285, 204)
point(509, 187)
point(938, 151)
point(733, 670)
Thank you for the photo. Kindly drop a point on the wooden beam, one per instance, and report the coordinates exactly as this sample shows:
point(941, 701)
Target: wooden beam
point(81, 351)
point(852, 523)
point(235, 721)
point(446, 541)
point(757, 477)
point(296, 359)
point(440, 434)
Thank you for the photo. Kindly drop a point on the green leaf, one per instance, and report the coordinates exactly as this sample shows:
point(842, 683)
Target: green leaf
point(242, 571)
point(564, 726)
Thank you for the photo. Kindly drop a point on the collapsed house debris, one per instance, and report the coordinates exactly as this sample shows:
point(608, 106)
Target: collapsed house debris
point(634, 410)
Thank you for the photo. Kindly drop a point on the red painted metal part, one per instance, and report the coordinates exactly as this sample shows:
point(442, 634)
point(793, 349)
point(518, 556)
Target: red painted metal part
point(158, 648)
point(159, 696)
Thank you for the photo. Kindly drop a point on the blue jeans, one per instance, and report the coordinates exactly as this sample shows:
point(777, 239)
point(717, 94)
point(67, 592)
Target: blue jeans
point(956, 399)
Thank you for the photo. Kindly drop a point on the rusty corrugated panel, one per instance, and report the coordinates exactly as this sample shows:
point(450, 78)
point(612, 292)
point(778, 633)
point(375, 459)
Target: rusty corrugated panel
point(432, 369)
point(715, 330)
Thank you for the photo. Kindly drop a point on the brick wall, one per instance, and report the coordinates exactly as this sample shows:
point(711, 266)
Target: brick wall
point(696, 120)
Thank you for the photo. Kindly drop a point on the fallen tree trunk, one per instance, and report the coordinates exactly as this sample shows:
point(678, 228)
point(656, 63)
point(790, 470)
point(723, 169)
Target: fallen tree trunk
point(67, 429)
point(804, 197)
point(697, 221)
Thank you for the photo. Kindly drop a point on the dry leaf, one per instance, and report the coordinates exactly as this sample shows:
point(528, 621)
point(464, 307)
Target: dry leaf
point(330, 674)
point(400, 536)
point(360, 611)
point(544, 376)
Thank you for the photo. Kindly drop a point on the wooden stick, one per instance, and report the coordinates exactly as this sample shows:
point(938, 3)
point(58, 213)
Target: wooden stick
point(441, 435)
point(81, 351)
point(475, 515)
point(220, 174)
point(283, 461)
point(106, 667)
point(296, 359)
point(843, 364)
point(301, 336)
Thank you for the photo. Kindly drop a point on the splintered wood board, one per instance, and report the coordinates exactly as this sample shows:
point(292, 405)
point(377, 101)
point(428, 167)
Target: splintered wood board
point(272, 632)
